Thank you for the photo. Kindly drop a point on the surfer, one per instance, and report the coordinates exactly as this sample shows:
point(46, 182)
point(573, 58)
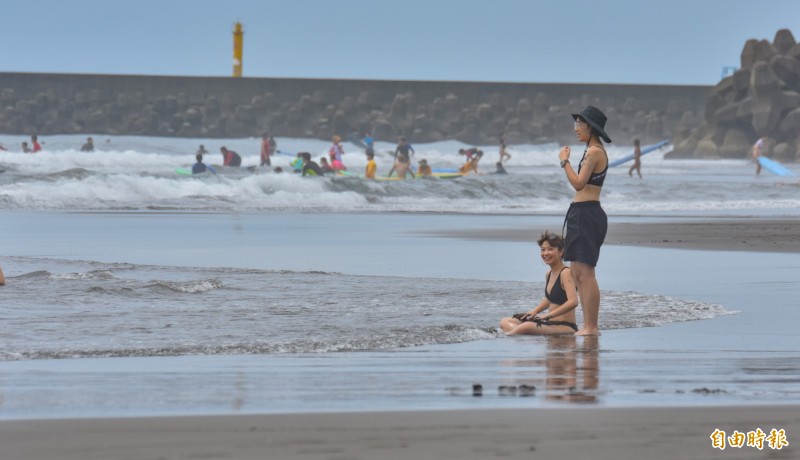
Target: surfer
point(297, 163)
point(369, 142)
point(25, 148)
point(202, 150)
point(88, 146)
point(402, 159)
point(325, 166)
point(637, 159)
point(266, 150)
point(199, 167)
point(371, 168)
point(35, 147)
point(560, 296)
point(586, 223)
point(230, 158)
point(472, 162)
point(758, 150)
point(503, 153)
point(310, 168)
point(424, 168)
point(335, 153)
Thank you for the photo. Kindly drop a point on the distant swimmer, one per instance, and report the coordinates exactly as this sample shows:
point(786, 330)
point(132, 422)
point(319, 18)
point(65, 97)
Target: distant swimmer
point(25, 148)
point(560, 296)
point(500, 168)
point(35, 147)
point(335, 153)
point(402, 159)
point(369, 142)
point(758, 150)
point(202, 150)
point(266, 151)
point(88, 146)
point(637, 159)
point(325, 166)
point(200, 167)
point(503, 153)
point(424, 168)
point(310, 168)
point(297, 163)
point(472, 162)
point(230, 158)
point(372, 167)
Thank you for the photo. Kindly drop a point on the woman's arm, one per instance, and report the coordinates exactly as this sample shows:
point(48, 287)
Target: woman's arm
point(578, 182)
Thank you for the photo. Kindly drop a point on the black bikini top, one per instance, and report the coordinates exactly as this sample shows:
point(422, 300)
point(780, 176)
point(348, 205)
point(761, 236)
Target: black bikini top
point(595, 179)
point(556, 295)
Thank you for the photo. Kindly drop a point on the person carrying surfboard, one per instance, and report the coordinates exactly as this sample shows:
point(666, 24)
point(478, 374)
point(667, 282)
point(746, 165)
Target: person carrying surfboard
point(758, 150)
point(637, 159)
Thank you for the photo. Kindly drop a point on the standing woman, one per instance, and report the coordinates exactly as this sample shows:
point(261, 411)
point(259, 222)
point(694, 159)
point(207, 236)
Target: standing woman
point(586, 222)
point(637, 159)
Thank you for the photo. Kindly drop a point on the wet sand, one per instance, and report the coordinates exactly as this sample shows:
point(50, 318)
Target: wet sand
point(608, 433)
point(769, 235)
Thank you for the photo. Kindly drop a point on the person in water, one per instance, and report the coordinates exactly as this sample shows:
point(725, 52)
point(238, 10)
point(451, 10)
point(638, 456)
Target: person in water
point(758, 150)
point(503, 154)
point(424, 168)
point(500, 168)
point(637, 159)
point(310, 168)
point(325, 166)
point(25, 148)
point(586, 223)
point(335, 153)
point(297, 163)
point(371, 168)
point(266, 150)
point(199, 167)
point(2, 277)
point(555, 314)
point(472, 163)
point(35, 147)
point(402, 159)
point(88, 146)
point(369, 142)
point(230, 158)
point(202, 150)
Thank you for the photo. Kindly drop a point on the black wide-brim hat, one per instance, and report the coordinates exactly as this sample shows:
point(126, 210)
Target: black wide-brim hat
point(595, 118)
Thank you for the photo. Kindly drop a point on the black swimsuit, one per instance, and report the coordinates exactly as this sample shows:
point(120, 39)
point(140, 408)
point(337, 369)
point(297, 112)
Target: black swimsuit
point(595, 179)
point(556, 294)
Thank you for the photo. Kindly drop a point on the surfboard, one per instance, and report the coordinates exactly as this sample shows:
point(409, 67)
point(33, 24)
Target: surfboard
point(774, 167)
point(645, 149)
point(395, 178)
point(183, 172)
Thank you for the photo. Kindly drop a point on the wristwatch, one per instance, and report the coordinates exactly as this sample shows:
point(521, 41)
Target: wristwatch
point(564, 163)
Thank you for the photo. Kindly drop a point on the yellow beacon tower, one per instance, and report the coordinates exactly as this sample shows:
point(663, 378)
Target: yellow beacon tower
point(238, 38)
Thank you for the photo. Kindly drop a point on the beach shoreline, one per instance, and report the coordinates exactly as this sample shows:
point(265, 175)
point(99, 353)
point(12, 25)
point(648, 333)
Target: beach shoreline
point(597, 433)
point(754, 234)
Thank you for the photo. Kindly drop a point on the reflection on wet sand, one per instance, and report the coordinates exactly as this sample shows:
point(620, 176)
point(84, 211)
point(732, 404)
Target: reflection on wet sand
point(571, 369)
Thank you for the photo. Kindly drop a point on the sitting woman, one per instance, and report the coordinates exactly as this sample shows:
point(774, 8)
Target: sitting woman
point(561, 297)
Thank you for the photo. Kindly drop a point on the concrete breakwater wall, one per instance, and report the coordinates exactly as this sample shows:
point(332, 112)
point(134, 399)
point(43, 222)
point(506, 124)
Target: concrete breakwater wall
point(422, 111)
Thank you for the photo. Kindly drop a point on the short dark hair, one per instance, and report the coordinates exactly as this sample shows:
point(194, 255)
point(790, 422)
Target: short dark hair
point(555, 240)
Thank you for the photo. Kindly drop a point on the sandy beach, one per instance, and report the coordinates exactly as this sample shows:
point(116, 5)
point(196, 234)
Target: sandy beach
point(768, 235)
point(598, 434)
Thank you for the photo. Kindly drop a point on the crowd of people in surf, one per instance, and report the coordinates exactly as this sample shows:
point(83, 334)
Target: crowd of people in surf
point(401, 164)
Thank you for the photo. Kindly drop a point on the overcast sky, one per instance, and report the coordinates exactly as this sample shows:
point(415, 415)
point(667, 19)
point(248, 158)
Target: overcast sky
point(573, 41)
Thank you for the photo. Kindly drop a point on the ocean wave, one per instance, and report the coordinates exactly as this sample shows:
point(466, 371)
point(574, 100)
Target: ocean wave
point(189, 287)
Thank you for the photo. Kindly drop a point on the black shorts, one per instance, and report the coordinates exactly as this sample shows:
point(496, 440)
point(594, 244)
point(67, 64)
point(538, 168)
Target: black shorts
point(585, 230)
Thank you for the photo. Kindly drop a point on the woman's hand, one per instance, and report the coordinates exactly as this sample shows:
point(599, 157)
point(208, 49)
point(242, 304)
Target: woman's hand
point(564, 153)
